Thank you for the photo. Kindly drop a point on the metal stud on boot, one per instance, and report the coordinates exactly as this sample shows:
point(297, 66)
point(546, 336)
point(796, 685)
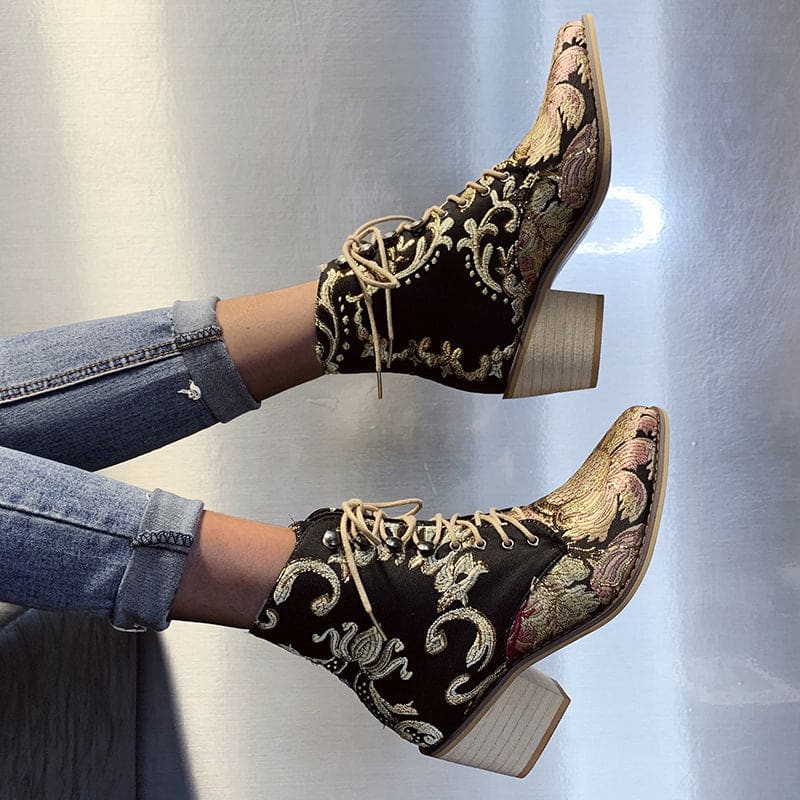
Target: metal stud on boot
point(436, 624)
point(461, 295)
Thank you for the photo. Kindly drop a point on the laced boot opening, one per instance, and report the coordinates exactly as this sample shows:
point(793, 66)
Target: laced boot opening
point(369, 520)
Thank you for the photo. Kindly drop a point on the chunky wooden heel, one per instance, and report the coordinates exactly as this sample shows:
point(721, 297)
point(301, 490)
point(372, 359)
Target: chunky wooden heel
point(509, 730)
point(560, 347)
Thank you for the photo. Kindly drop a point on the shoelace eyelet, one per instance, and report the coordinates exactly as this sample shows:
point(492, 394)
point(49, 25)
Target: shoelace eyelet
point(533, 544)
point(508, 545)
point(394, 544)
point(506, 177)
point(425, 548)
point(331, 540)
point(481, 545)
point(486, 193)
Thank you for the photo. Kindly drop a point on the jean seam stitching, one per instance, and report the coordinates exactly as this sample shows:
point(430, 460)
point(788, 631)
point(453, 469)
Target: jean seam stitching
point(156, 538)
point(155, 352)
point(53, 518)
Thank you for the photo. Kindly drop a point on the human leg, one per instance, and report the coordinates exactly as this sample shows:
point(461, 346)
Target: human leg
point(75, 541)
point(96, 393)
point(88, 395)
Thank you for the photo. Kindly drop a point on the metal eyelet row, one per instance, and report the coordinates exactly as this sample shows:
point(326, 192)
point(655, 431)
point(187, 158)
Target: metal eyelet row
point(331, 540)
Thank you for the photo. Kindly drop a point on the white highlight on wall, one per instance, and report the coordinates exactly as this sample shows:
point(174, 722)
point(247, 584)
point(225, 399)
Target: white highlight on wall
point(651, 218)
point(120, 151)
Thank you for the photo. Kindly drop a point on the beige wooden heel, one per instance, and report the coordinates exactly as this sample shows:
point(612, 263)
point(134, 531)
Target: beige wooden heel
point(560, 350)
point(513, 725)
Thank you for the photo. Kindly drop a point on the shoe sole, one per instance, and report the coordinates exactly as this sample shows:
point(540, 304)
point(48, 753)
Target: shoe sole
point(528, 364)
point(509, 730)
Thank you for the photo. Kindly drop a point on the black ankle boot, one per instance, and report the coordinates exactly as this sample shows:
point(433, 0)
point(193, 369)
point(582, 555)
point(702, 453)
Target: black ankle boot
point(465, 283)
point(435, 624)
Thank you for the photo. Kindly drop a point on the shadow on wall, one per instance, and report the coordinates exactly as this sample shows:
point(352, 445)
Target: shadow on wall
point(159, 742)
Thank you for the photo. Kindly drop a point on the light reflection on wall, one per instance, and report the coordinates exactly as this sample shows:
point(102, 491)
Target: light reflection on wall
point(651, 218)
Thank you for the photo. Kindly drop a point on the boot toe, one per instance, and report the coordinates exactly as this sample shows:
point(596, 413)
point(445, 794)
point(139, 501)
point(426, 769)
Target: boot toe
point(607, 513)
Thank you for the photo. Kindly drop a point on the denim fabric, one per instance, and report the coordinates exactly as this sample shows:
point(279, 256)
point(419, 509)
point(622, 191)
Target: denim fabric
point(81, 397)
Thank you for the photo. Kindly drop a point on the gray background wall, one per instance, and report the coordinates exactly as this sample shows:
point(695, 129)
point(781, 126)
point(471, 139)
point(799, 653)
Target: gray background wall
point(154, 151)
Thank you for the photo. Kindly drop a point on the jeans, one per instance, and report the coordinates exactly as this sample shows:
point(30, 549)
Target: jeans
point(75, 399)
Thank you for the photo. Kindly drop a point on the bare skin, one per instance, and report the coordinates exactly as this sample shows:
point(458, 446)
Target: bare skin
point(234, 563)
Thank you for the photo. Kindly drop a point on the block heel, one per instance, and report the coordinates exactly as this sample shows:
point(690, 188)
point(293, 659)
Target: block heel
point(560, 348)
point(509, 730)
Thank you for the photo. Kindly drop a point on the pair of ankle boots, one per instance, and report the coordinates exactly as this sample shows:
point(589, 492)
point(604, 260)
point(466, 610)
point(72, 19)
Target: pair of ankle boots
point(436, 623)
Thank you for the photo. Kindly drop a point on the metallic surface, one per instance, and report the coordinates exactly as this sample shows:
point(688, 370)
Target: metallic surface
point(155, 151)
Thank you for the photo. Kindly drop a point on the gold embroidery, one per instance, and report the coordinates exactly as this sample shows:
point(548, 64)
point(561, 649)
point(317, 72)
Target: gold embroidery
point(388, 709)
point(325, 300)
point(579, 167)
point(367, 650)
point(373, 658)
point(605, 485)
point(455, 575)
point(557, 603)
point(422, 733)
point(452, 695)
point(544, 225)
point(563, 106)
point(605, 490)
point(437, 228)
point(482, 252)
point(612, 566)
point(321, 605)
point(449, 360)
point(483, 646)
point(270, 622)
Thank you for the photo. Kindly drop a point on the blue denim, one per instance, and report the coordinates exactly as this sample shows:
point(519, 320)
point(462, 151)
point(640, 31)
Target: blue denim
point(75, 399)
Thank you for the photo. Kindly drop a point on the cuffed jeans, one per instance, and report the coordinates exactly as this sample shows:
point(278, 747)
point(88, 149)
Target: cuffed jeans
point(81, 397)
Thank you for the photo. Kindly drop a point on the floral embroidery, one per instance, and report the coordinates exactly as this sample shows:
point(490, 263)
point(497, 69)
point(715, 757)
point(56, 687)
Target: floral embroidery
point(577, 173)
point(456, 574)
point(557, 603)
point(544, 226)
point(607, 484)
point(481, 251)
point(442, 647)
point(449, 360)
point(614, 564)
point(373, 658)
point(366, 649)
point(455, 698)
point(480, 652)
point(563, 106)
point(270, 620)
point(420, 733)
point(606, 488)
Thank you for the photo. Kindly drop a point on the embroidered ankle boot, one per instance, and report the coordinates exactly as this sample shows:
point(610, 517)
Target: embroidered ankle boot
point(435, 624)
point(466, 286)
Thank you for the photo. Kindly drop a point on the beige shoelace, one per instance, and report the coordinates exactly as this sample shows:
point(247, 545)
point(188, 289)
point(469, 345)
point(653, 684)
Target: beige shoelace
point(355, 523)
point(377, 273)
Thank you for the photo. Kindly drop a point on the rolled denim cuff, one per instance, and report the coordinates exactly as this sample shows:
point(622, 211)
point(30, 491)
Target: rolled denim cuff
point(208, 361)
point(158, 558)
